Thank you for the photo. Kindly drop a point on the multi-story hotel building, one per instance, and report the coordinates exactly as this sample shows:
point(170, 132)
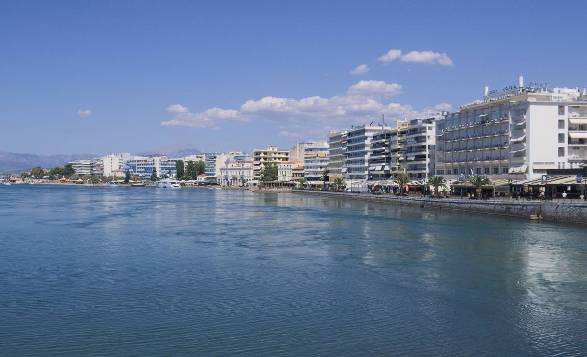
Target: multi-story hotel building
point(271, 154)
point(337, 141)
point(315, 161)
point(359, 150)
point(520, 132)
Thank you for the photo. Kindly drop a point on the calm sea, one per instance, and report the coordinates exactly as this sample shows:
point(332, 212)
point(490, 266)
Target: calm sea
point(197, 272)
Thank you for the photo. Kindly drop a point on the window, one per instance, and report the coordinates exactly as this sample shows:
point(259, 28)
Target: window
point(561, 152)
point(495, 170)
point(561, 110)
point(504, 170)
point(487, 171)
point(478, 171)
point(561, 138)
point(455, 171)
point(561, 124)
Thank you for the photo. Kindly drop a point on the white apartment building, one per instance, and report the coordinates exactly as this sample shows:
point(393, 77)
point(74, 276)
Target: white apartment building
point(420, 148)
point(92, 167)
point(315, 161)
point(237, 172)
point(359, 150)
point(380, 158)
point(215, 162)
point(285, 171)
point(519, 133)
point(114, 164)
point(270, 154)
point(337, 141)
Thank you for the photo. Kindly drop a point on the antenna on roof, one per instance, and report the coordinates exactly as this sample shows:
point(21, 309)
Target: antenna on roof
point(383, 119)
point(371, 123)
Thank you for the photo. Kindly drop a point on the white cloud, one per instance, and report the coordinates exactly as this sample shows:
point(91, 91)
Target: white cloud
point(206, 119)
point(428, 57)
point(360, 69)
point(375, 88)
point(84, 113)
point(390, 56)
point(177, 108)
point(363, 102)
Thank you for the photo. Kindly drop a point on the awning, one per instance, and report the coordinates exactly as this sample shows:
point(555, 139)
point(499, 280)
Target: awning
point(517, 140)
point(578, 121)
point(578, 135)
point(518, 170)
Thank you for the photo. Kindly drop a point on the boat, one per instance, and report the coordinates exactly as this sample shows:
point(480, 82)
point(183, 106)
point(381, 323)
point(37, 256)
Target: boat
point(137, 184)
point(168, 183)
point(6, 184)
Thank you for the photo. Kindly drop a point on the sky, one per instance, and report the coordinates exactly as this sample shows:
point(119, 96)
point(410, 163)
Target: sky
point(110, 76)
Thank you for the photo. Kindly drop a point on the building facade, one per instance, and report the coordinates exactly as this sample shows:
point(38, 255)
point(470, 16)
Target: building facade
point(358, 151)
point(144, 167)
point(271, 154)
point(113, 164)
point(93, 167)
point(237, 172)
point(315, 162)
point(518, 133)
point(337, 141)
point(420, 148)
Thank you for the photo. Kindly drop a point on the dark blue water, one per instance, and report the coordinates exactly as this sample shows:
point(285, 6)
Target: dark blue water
point(136, 272)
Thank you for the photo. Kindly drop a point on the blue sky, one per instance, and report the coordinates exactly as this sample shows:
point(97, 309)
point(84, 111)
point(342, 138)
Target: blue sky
point(108, 76)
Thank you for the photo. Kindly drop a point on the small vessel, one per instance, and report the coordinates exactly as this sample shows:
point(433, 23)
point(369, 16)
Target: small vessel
point(6, 183)
point(168, 183)
point(137, 184)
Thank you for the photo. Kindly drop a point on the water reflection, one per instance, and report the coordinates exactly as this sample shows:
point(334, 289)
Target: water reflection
point(213, 272)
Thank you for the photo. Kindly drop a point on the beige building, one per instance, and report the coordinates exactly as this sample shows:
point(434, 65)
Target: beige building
point(270, 154)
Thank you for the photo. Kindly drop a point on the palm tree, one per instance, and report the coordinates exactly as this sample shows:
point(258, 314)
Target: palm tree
point(325, 177)
point(402, 180)
point(478, 182)
point(338, 183)
point(437, 182)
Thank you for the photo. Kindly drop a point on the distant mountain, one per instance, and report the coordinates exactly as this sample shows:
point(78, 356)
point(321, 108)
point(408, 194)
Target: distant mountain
point(172, 151)
point(15, 163)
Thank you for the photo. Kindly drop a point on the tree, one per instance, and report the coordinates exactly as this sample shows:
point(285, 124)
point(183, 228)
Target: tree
point(179, 169)
point(269, 172)
point(338, 183)
point(37, 172)
point(402, 180)
point(436, 182)
point(200, 168)
point(56, 172)
point(303, 182)
point(478, 182)
point(191, 171)
point(68, 170)
point(154, 175)
point(127, 177)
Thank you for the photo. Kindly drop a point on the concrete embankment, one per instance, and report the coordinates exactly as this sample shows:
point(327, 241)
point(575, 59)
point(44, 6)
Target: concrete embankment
point(567, 211)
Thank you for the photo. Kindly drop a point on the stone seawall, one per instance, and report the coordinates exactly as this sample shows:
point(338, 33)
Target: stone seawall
point(568, 212)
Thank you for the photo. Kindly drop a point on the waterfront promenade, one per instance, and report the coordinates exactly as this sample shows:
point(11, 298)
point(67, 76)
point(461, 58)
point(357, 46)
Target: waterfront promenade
point(564, 211)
